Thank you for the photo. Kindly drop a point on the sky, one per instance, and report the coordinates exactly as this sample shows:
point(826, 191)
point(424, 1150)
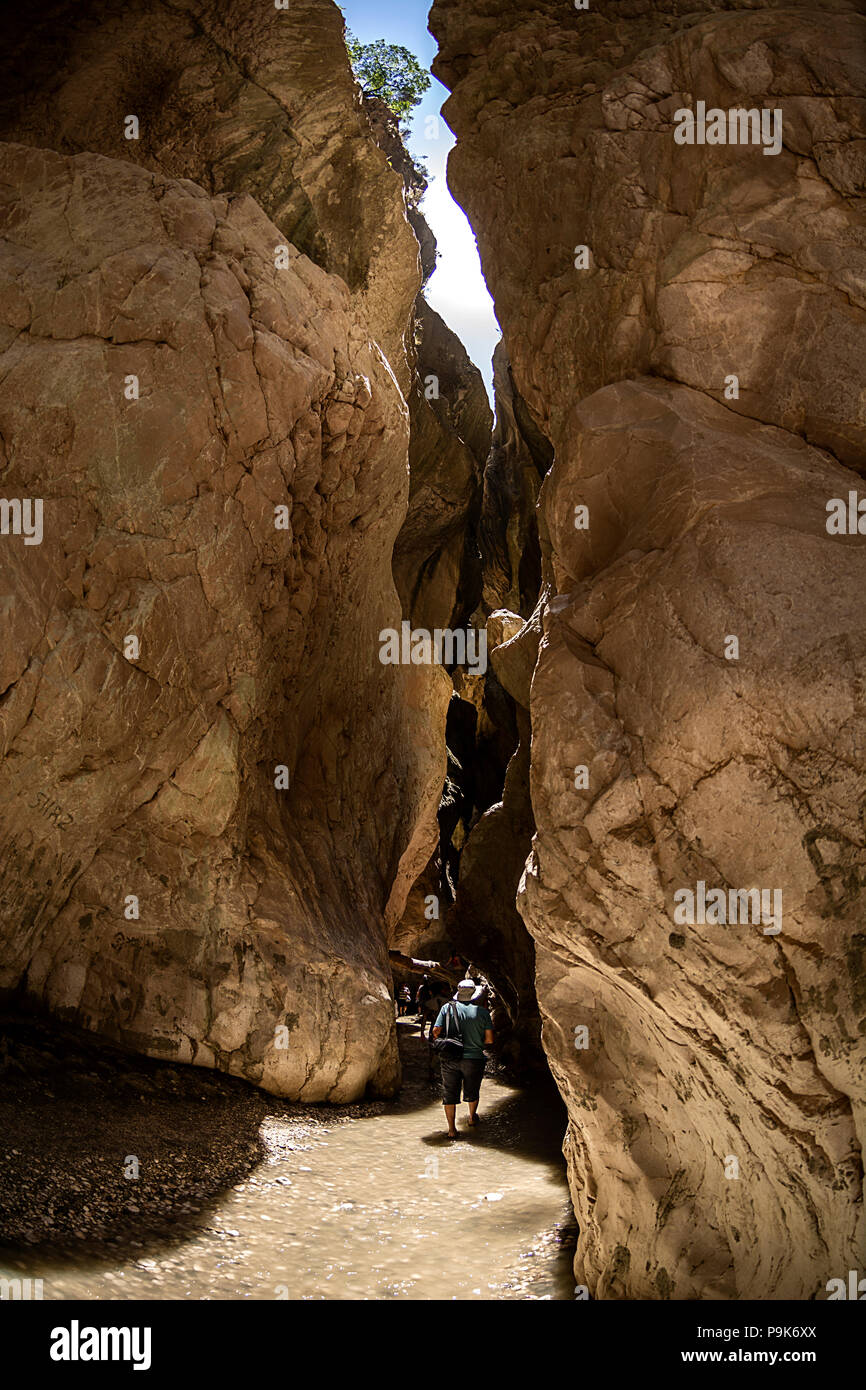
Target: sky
point(456, 289)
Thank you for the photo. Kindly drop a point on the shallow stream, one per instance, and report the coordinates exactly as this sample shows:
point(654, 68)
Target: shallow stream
point(358, 1205)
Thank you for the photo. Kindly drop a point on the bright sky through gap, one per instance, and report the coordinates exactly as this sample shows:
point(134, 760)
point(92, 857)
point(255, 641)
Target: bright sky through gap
point(456, 289)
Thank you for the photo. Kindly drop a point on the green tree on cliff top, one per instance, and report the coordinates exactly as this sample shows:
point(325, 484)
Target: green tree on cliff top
point(390, 72)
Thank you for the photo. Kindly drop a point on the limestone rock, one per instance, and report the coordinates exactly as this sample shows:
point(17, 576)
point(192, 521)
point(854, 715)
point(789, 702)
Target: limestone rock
point(485, 922)
point(706, 519)
point(513, 647)
point(239, 97)
point(436, 565)
point(435, 559)
point(701, 257)
point(164, 387)
point(420, 933)
point(486, 818)
point(385, 128)
point(519, 457)
point(706, 1042)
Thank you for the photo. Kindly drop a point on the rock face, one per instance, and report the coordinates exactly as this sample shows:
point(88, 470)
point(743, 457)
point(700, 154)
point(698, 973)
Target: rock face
point(486, 849)
point(486, 924)
point(702, 256)
point(240, 98)
point(714, 1074)
point(520, 455)
point(436, 566)
point(215, 796)
point(435, 559)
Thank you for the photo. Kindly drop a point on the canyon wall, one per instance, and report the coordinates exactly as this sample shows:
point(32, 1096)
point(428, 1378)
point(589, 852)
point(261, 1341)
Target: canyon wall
point(685, 326)
point(214, 794)
point(435, 558)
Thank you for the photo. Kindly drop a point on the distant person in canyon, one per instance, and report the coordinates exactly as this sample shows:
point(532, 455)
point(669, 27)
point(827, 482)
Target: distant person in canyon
point(422, 994)
point(404, 999)
point(466, 1071)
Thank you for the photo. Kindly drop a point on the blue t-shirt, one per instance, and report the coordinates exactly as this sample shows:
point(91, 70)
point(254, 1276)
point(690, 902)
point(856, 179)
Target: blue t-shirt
point(474, 1023)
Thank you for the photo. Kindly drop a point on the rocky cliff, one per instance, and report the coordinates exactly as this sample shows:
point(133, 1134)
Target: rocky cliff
point(436, 556)
point(248, 446)
point(685, 327)
point(214, 794)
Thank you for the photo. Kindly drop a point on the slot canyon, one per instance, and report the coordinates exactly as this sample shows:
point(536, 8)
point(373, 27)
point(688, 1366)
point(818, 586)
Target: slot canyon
point(230, 832)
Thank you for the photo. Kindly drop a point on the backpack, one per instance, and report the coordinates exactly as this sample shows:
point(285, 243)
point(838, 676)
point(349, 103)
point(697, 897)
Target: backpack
point(450, 1045)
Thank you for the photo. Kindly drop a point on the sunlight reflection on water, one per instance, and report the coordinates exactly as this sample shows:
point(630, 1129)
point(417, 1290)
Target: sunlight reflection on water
point(378, 1207)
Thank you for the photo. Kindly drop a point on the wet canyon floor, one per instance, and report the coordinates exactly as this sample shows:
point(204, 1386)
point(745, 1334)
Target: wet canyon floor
point(241, 1196)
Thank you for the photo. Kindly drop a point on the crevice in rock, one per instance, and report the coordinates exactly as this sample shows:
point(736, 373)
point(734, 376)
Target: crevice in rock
point(485, 817)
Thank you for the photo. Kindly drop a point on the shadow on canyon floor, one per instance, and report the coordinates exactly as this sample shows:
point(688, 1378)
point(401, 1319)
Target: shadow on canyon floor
point(75, 1112)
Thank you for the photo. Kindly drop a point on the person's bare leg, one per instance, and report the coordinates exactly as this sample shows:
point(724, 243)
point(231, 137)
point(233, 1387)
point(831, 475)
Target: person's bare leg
point(473, 1106)
point(450, 1111)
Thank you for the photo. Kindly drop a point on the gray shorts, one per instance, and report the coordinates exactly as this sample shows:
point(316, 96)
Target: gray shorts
point(467, 1071)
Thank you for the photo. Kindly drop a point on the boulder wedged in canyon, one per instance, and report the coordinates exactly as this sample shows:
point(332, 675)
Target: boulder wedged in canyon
point(173, 371)
point(715, 1101)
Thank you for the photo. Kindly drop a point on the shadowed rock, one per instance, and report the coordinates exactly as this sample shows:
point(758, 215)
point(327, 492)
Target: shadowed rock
point(240, 98)
point(436, 565)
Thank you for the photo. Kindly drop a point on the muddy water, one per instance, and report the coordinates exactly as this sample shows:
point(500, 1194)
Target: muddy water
point(372, 1206)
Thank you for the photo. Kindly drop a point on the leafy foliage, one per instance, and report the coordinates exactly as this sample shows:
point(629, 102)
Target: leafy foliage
point(390, 72)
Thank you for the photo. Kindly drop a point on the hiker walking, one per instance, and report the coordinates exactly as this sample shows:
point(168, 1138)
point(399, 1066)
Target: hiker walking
point(461, 1032)
point(422, 994)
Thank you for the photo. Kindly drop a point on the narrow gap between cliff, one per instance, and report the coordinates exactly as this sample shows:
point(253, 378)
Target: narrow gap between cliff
point(461, 913)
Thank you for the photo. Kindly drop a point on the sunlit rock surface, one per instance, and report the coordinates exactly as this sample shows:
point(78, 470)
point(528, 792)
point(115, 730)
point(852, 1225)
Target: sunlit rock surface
point(702, 258)
point(436, 564)
point(151, 784)
point(240, 98)
point(716, 1098)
